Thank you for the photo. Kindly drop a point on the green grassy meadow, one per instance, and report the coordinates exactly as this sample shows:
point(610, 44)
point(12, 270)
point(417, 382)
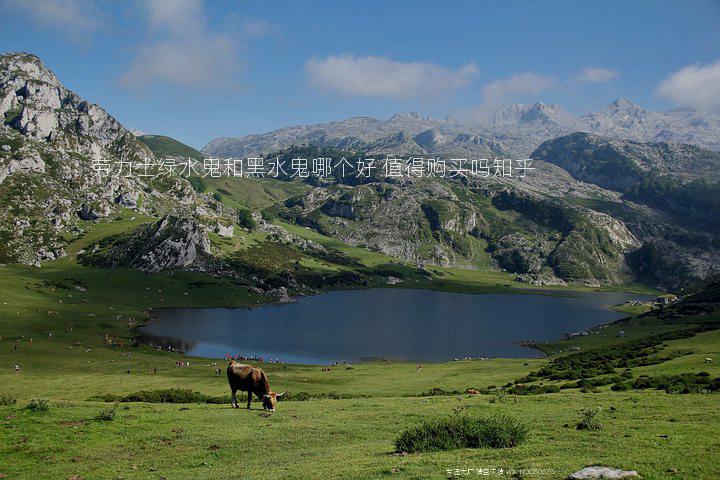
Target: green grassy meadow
point(92, 313)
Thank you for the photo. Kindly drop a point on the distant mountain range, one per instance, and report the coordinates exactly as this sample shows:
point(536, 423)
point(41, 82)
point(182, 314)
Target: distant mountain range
point(596, 210)
point(515, 130)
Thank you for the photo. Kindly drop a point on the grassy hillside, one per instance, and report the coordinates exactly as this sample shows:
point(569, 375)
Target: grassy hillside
point(163, 147)
point(253, 193)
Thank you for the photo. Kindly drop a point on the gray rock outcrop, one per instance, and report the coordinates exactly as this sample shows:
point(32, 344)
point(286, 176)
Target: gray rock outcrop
point(607, 473)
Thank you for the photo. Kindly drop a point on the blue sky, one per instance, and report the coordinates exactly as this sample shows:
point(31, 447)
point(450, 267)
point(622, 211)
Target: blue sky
point(195, 70)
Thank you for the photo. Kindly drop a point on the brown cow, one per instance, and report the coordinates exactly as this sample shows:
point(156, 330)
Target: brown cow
point(251, 380)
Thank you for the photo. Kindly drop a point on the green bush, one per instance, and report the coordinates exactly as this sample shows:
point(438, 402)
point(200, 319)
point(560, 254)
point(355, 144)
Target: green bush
point(7, 399)
point(604, 361)
point(462, 431)
point(107, 414)
point(533, 389)
point(268, 216)
point(197, 184)
point(172, 395)
point(620, 387)
point(439, 392)
point(38, 405)
point(589, 420)
point(682, 383)
point(245, 219)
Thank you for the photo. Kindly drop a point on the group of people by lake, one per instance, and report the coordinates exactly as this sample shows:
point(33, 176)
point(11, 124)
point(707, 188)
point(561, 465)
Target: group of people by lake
point(253, 358)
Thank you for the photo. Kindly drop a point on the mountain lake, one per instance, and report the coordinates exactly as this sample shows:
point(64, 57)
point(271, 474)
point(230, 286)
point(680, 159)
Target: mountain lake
point(393, 323)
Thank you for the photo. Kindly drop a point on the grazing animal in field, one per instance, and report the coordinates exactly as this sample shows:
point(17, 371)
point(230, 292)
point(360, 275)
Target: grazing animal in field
point(708, 360)
point(252, 380)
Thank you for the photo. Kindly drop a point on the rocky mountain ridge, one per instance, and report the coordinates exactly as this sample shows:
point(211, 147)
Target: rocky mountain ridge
point(515, 130)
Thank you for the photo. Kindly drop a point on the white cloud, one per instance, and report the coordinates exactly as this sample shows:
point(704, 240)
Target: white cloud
point(258, 28)
point(500, 91)
point(372, 76)
point(74, 19)
point(175, 16)
point(182, 50)
point(591, 74)
point(695, 85)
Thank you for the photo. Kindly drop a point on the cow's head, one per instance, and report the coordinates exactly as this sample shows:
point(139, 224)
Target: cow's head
point(270, 400)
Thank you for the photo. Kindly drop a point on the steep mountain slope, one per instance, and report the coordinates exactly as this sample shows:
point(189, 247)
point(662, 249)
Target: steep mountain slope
point(163, 147)
point(677, 184)
point(54, 149)
point(678, 178)
point(521, 128)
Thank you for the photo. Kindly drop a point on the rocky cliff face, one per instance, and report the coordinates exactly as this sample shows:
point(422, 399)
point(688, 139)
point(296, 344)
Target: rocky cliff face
point(52, 143)
point(679, 179)
point(173, 243)
point(526, 226)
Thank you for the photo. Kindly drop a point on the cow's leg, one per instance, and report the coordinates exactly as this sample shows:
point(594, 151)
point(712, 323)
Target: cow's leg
point(249, 399)
point(233, 401)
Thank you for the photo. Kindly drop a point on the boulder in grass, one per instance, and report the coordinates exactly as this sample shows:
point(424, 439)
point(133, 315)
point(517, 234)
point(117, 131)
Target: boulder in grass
point(598, 472)
point(225, 230)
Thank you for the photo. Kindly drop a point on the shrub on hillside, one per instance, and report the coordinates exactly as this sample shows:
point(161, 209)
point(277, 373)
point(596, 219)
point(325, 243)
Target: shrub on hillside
point(439, 392)
point(589, 420)
point(533, 389)
point(621, 387)
point(197, 184)
point(38, 405)
point(683, 383)
point(7, 399)
point(604, 361)
point(462, 431)
point(268, 215)
point(245, 219)
point(107, 414)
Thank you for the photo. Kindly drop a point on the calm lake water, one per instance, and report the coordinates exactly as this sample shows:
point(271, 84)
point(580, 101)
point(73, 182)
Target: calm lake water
point(415, 325)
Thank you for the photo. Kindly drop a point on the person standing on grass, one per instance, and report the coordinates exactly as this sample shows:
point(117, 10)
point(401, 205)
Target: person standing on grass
point(17, 369)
